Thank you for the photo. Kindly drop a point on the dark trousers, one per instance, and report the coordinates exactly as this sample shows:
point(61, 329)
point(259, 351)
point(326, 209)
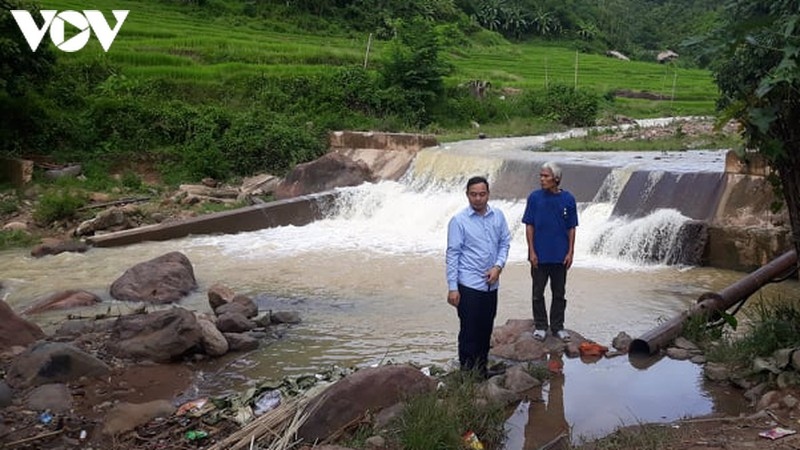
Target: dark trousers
point(557, 275)
point(476, 312)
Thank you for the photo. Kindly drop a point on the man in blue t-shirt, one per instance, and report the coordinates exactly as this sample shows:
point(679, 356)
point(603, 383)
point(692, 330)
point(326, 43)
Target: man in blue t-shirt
point(550, 219)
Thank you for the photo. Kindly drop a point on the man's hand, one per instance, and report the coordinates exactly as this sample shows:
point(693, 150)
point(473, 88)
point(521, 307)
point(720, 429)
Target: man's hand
point(493, 274)
point(568, 260)
point(453, 297)
point(534, 259)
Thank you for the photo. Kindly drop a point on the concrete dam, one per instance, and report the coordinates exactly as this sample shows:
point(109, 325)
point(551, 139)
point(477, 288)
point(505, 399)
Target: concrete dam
point(690, 207)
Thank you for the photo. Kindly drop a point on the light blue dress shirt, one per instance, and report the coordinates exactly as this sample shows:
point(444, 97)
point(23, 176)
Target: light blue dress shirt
point(475, 243)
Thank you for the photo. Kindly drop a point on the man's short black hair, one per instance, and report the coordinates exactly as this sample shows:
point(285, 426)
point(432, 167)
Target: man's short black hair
point(477, 180)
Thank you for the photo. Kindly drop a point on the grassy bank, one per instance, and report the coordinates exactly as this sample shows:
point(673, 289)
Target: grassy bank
point(217, 90)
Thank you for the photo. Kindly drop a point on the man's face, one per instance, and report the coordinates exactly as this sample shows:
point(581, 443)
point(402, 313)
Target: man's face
point(478, 195)
point(546, 180)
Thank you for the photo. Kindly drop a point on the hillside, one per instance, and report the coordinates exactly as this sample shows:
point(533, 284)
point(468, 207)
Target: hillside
point(204, 90)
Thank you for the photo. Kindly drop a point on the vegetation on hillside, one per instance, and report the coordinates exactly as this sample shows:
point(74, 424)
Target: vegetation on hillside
point(222, 88)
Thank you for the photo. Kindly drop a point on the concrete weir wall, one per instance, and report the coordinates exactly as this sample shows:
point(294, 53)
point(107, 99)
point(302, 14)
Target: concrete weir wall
point(296, 211)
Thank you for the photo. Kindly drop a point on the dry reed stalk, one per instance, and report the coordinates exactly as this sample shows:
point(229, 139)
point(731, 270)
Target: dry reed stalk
point(273, 422)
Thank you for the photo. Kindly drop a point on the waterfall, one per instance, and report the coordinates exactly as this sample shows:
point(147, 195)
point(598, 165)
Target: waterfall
point(411, 215)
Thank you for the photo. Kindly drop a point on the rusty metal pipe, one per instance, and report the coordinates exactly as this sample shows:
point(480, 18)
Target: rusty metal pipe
point(709, 303)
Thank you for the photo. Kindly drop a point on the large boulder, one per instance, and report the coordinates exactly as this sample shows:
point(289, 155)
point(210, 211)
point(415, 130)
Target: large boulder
point(371, 389)
point(71, 298)
point(327, 172)
point(161, 336)
point(165, 279)
point(15, 330)
point(53, 362)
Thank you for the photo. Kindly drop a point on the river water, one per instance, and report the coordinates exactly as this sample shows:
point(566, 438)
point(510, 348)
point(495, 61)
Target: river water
point(369, 283)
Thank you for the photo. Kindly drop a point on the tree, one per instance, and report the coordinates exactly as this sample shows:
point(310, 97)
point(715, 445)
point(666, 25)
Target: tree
point(759, 81)
point(23, 74)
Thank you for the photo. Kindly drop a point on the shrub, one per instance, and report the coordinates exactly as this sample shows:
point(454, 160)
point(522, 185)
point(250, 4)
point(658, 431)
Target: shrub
point(569, 106)
point(55, 206)
point(15, 238)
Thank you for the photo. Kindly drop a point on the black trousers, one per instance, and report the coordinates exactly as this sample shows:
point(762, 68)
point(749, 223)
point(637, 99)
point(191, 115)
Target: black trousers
point(557, 275)
point(476, 312)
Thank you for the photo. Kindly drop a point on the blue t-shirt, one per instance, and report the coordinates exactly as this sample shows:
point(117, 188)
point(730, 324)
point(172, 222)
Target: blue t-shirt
point(552, 216)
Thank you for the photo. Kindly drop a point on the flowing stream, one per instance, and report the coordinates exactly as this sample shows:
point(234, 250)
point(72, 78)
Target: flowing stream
point(369, 283)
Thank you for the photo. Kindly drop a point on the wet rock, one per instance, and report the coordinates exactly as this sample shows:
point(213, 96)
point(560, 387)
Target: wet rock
point(127, 416)
point(52, 362)
point(240, 342)
point(327, 172)
point(6, 395)
point(165, 279)
point(160, 336)
point(370, 389)
point(716, 372)
point(240, 304)
point(698, 359)
point(218, 295)
point(213, 341)
point(72, 298)
point(495, 394)
point(678, 353)
point(288, 317)
point(264, 320)
point(54, 397)
point(16, 331)
point(683, 343)
point(232, 322)
point(54, 247)
point(622, 342)
point(84, 327)
point(518, 380)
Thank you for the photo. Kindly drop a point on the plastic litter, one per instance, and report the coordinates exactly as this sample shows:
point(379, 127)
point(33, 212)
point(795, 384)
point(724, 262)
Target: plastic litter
point(45, 417)
point(268, 401)
point(776, 433)
point(592, 349)
point(82, 436)
point(195, 435)
point(191, 406)
point(471, 441)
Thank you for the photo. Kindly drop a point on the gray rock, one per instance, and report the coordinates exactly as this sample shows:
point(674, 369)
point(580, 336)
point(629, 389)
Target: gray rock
point(52, 362)
point(213, 341)
point(716, 372)
point(165, 279)
point(55, 397)
point(678, 353)
point(233, 322)
point(518, 380)
point(6, 395)
point(240, 342)
point(159, 336)
point(290, 317)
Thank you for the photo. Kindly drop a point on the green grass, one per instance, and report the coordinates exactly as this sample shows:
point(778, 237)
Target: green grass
point(768, 325)
point(175, 41)
point(668, 143)
point(639, 437)
point(16, 238)
point(439, 420)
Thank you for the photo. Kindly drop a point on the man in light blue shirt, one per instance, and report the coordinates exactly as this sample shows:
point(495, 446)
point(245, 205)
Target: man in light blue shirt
point(477, 248)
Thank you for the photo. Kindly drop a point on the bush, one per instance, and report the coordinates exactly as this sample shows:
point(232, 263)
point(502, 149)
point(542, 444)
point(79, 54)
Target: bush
point(54, 206)
point(15, 238)
point(569, 106)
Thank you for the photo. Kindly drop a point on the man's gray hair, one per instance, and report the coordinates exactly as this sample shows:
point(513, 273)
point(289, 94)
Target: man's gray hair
point(554, 169)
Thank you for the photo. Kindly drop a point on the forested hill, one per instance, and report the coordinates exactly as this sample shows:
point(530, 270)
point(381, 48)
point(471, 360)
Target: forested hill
point(224, 88)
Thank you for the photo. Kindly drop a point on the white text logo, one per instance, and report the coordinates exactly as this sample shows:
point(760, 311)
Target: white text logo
point(85, 22)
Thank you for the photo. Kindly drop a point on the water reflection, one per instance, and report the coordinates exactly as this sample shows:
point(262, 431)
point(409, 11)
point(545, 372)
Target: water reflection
point(588, 399)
